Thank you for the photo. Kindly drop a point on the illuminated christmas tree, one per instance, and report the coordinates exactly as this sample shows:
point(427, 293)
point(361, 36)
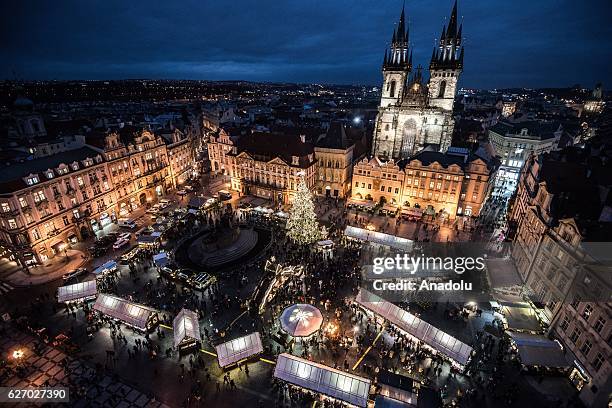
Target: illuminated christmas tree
point(302, 225)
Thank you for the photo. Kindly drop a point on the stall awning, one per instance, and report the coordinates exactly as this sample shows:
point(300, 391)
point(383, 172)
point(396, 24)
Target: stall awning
point(147, 239)
point(535, 350)
point(323, 379)
point(235, 350)
point(197, 202)
point(107, 267)
point(363, 203)
point(186, 326)
point(160, 259)
point(130, 313)
point(402, 244)
point(78, 291)
point(428, 334)
point(326, 242)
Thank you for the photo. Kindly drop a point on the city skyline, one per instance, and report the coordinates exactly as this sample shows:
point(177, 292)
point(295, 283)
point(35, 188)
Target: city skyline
point(341, 43)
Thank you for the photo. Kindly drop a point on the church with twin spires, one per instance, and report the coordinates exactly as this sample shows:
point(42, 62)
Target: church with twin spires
point(412, 113)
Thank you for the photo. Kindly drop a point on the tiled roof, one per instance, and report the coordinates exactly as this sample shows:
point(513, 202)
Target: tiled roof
point(11, 177)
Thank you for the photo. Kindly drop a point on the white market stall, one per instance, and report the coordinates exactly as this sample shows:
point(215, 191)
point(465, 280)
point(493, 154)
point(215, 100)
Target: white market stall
point(301, 320)
point(239, 349)
point(435, 338)
point(380, 238)
point(186, 330)
point(110, 266)
point(323, 379)
point(78, 292)
point(133, 314)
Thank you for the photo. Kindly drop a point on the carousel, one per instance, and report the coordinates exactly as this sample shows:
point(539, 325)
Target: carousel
point(301, 320)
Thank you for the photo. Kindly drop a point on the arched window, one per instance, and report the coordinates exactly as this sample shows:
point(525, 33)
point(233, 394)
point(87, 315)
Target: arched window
point(392, 90)
point(442, 89)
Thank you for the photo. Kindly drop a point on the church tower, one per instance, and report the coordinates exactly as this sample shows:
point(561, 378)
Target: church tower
point(396, 66)
point(446, 65)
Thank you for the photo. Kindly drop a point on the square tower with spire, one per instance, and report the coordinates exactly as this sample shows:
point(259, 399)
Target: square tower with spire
point(413, 114)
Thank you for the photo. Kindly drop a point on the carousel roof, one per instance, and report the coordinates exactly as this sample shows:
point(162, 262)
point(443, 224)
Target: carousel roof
point(301, 320)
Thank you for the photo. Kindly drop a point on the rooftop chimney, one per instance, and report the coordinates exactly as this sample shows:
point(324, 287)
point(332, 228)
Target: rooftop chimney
point(303, 138)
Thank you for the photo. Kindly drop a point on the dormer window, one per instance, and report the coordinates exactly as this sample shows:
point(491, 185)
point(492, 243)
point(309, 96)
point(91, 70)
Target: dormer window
point(75, 166)
point(87, 162)
point(295, 160)
point(49, 174)
point(31, 180)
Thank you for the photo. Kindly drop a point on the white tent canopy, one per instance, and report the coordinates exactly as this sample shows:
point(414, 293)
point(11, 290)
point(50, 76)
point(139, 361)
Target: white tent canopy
point(107, 267)
point(78, 291)
point(399, 243)
point(425, 332)
point(132, 314)
point(235, 350)
point(301, 320)
point(323, 379)
point(538, 350)
point(186, 326)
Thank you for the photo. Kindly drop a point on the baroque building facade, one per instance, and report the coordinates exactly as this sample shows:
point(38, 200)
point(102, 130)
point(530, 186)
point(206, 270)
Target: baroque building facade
point(447, 184)
point(413, 114)
point(51, 202)
point(559, 220)
point(266, 165)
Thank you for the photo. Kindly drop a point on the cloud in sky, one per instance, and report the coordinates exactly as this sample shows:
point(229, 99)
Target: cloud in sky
point(508, 43)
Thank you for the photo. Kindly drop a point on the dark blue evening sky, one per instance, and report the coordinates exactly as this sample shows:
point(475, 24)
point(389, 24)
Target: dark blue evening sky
point(532, 43)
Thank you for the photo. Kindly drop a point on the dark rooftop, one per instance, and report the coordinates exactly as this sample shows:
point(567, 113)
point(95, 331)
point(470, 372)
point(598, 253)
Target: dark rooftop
point(11, 177)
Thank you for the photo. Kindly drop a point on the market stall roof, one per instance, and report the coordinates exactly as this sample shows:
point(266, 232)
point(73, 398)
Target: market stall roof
point(430, 335)
point(147, 239)
point(325, 242)
point(282, 214)
point(301, 320)
point(363, 203)
point(186, 326)
point(161, 259)
point(81, 290)
point(323, 379)
point(235, 350)
point(397, 387)
point(380, 238)
point(131, 313)
point(539, 350)
point(197, 202)
point(105, 268)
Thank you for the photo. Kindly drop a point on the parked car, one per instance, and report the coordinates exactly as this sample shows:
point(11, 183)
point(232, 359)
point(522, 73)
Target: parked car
point(202, 281)
point(184, 275)
point(125, 235)
point(120, 243)
point(126, 223)
point(224, 195)
point(74, 274)
point(163, 203)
